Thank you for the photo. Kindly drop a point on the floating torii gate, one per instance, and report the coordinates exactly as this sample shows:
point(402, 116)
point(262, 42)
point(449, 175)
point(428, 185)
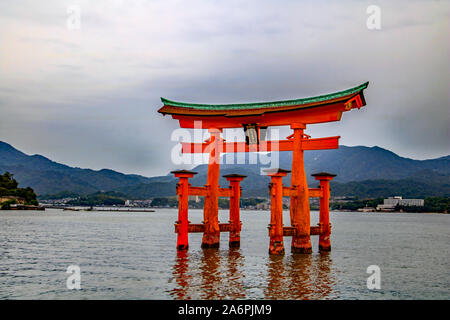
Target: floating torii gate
point(255, 118)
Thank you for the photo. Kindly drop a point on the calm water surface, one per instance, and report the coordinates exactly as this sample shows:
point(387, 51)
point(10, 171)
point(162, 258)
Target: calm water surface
point(133, 256)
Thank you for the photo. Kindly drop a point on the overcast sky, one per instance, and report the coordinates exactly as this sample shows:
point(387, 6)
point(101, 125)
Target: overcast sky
point(89, 97)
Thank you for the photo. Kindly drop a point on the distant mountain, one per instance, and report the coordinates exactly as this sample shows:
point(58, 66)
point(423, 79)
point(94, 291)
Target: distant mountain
point(426, 183)
point(49, 177)
point(360, 170)
point(362, 163)
point(350, 164)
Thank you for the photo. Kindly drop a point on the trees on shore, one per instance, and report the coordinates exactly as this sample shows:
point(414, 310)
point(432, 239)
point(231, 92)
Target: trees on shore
point(9, 187)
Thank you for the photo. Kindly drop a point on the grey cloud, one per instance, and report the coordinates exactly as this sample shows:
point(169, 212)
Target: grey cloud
point(52, 41)
point(96, 106)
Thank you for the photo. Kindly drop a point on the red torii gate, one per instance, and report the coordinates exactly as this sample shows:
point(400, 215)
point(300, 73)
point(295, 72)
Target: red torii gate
point(254, 118)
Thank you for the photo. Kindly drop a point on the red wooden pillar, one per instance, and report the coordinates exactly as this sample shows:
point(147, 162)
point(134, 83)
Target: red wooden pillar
point(182, 225)
point(300, 216)
point(324, 219)
point(276, 245)
point(235, 221)
point(211, 236)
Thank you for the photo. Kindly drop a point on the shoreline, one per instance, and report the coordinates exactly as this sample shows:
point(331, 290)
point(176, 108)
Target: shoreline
point(153, 209)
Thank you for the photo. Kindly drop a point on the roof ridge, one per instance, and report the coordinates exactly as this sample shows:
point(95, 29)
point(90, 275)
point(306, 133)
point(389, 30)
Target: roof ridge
point(265, 104)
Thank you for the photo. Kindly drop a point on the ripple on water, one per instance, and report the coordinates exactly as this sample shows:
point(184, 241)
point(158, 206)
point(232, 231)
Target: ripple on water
point(133, 256)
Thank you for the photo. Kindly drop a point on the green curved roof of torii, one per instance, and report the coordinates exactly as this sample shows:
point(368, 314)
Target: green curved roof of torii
point(258, 105)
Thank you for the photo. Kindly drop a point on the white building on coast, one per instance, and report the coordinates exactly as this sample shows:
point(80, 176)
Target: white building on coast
point(390, 203)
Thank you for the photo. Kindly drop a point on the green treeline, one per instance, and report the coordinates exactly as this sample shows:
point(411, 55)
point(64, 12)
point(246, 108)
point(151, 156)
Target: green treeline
point(165, 202)
point(431, 204)
point(356, 204)
point(99, 199)
point(223, 202)
point(10, 187)
point(429, 184)
point(60, 195)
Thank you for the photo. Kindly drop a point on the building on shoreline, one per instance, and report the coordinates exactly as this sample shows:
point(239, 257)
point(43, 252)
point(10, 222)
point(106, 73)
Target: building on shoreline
point(390, 203)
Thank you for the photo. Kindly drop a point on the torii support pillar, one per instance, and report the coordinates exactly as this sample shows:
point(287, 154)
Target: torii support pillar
point(324, 218)
point(211, 235)
point(235, 221)
point(300, 216)
point(182, 225)
point(276, 245)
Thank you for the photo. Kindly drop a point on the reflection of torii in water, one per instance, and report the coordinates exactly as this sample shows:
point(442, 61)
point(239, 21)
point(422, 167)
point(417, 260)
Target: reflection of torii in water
point(255, 118)
point(219, 275)
point(299, 277)
point(212, 273)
